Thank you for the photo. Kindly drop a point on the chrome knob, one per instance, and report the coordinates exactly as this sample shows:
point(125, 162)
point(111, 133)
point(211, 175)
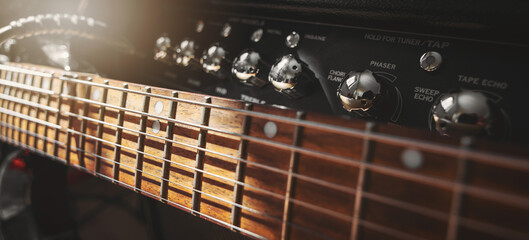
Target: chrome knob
point(162, 49)
point(430, 61)
point(287, 77)
point(212, 58)
point(463, 113)
point(185, 52)
point(247, 68)
point(359, 91)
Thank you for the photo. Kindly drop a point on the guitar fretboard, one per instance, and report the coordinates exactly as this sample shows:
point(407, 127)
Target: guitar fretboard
point(268, 172)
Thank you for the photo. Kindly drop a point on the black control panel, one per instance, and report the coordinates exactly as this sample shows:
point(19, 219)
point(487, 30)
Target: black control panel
point(445, 84)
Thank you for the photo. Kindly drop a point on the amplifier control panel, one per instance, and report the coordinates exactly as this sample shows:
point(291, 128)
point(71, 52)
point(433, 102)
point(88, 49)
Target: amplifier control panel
point(445, 84)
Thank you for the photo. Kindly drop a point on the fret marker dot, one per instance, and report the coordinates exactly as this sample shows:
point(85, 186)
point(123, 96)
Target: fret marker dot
point(412, 158)
point(46, 84)
point(270, 129)
point(29, 80)
point(158, 107)
point(156, 126)
point(95, 94)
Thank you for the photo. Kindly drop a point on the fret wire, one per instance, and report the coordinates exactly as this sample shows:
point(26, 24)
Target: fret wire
point(455, 208)
point(513, 162)
point(58, 119)
point(20, 79)
point(367, 155)
point(117, 146)
point(470, 223)
point(291, 183)
point(485, 157)
point(169, 135)
point(18, 134)
point(497, 196)
point(100, 127)
point(199, 160)
point(37, 111)
point(141, 139)
point(82, 139)
point(28, 109)
point(72, 90)
point(46, 112)
point(240, 169)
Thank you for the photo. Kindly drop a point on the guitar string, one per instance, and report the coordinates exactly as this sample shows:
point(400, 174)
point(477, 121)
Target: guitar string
point(229, 179)
point(484, 227)
point(498, 196)
point(508, 161)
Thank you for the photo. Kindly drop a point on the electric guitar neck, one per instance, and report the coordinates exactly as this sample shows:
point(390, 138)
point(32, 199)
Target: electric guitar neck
point(268, 172)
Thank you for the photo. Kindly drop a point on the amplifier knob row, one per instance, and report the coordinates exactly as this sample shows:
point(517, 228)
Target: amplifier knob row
point(364, 93)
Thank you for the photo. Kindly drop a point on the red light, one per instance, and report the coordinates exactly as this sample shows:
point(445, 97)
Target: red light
point(18, 164)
